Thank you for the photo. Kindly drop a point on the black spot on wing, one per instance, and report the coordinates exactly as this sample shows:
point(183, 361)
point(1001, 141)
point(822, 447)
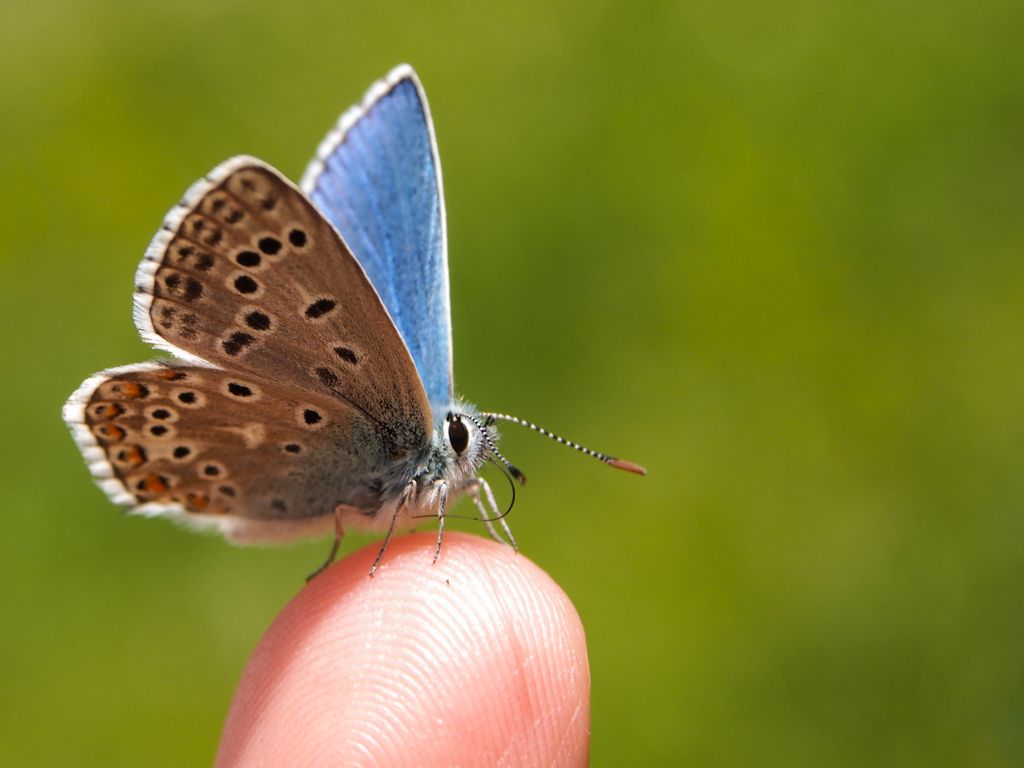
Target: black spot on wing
point(248, 259)
point(327, 377)
point(258, 321)
point(236, 342)
point(269, 245)
point(347, 355)
point(245, 284)
point(320, 307)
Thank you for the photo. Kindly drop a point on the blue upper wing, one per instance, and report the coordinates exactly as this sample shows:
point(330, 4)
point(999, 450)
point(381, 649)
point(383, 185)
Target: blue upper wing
point(377, 179)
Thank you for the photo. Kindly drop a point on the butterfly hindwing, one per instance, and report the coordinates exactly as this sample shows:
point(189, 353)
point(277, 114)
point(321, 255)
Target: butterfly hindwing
point(247, 275)
point(377, 178)
point(224, 449)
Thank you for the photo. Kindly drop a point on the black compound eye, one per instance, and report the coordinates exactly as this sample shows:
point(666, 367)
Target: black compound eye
point(458, 435)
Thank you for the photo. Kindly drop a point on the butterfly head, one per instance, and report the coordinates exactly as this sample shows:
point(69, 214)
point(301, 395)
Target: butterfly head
point(468, 440)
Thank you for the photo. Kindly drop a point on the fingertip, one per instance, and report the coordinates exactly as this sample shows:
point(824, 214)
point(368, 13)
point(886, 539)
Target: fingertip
point(477, 659)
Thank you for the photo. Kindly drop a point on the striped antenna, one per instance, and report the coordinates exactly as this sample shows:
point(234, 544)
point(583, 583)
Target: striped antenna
point(513, 470)
point(628, 466)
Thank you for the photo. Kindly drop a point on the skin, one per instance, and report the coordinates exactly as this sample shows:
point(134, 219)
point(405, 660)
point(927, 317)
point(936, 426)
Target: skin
point(479, 659)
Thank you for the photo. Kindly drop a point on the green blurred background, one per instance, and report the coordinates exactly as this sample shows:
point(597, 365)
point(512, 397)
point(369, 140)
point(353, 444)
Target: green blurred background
point(775, 252)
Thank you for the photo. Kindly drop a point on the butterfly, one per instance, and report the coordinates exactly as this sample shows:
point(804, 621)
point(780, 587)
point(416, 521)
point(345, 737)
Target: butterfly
point(311, 380)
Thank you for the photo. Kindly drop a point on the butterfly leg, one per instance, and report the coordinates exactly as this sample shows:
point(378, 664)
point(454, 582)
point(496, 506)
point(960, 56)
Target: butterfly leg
point(499, 515)
point(442, 492)
point(339, 532)
point(410, 489)
point(473, 488)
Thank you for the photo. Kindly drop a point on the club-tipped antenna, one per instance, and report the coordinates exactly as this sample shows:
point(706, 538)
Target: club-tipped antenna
point(513, 470)
point(611, 461)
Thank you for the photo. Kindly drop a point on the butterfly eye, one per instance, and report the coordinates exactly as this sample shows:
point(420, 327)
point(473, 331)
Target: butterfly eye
point(458, 435)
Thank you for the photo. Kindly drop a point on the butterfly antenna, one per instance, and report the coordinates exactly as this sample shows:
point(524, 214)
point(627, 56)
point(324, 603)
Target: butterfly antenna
point(611, 461)
point(513, 470)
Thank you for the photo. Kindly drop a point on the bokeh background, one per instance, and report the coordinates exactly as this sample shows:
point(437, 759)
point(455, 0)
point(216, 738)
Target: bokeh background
point(775, 252)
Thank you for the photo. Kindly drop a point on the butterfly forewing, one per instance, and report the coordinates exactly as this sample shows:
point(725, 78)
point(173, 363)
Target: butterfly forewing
point(377, 178)
point(247, 275)
point(225, 448)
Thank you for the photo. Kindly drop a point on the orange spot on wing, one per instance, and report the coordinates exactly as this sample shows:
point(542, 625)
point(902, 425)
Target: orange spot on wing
point(197, 502)
point(169, 374)
point(110, 433)
point(107, 411)
point(154, 483)
point(132, 389)
point(133, 456)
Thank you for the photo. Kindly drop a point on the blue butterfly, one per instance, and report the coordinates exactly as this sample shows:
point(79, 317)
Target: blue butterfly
point(311, 329)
